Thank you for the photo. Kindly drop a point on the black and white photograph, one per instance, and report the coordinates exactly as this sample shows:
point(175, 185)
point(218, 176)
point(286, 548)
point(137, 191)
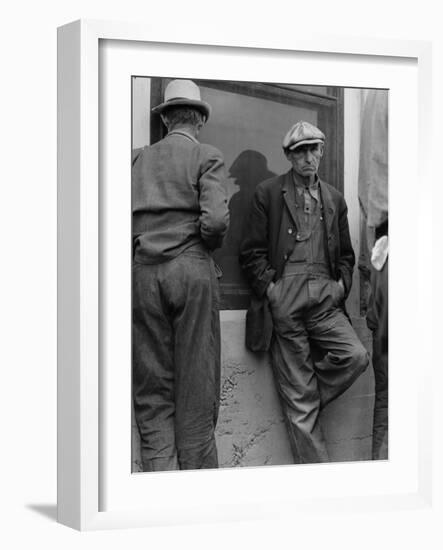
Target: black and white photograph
point(259, 274)
point(196, 282)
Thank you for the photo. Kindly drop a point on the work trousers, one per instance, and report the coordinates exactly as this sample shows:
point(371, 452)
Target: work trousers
point(306, 312)
point(176, 361)
point(377, 320)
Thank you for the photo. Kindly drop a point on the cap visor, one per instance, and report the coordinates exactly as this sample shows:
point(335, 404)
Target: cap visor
point(305, 142)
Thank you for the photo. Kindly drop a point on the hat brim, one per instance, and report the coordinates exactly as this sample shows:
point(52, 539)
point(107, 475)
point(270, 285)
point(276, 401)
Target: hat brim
point(305, 142)
point(202, 106)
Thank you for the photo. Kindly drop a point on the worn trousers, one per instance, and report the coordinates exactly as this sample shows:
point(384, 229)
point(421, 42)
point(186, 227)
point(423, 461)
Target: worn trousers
point(306, 313)
point(377, 320)
point(176, 361)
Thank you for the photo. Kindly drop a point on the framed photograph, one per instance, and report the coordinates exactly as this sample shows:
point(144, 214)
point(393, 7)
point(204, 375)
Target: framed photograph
point(356, 104)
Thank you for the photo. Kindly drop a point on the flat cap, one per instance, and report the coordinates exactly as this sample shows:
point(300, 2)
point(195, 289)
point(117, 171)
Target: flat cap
point(302, 133)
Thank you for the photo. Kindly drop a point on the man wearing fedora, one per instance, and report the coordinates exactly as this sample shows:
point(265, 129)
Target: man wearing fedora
point(180, 215)
point(298, 259)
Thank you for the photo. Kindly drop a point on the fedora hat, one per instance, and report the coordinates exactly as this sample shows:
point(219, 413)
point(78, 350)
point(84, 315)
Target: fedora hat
point(302, 133)
point(183, 92)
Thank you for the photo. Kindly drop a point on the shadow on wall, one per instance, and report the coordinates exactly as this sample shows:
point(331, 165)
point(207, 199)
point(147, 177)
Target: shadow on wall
point(248, 169)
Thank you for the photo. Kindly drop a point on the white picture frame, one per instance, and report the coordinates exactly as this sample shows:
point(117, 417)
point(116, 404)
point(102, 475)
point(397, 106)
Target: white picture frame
point(81, 296)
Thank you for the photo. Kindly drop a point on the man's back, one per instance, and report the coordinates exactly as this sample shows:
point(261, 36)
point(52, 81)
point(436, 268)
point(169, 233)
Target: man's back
point(179, 198)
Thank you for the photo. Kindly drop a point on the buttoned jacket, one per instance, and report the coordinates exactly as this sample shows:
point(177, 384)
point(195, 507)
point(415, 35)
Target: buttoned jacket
point(270, 238)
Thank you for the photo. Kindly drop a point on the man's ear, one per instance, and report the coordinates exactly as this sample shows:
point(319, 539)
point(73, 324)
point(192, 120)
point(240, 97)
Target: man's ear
point(164, 120)
point(322, 148)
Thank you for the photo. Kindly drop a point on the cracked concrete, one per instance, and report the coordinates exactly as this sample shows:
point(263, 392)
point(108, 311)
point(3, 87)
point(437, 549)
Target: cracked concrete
point(241, 451)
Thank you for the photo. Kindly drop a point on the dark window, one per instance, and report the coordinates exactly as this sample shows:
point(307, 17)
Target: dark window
point(247, 124)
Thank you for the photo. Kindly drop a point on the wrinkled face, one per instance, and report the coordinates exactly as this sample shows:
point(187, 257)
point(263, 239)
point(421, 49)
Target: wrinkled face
point(305, 159)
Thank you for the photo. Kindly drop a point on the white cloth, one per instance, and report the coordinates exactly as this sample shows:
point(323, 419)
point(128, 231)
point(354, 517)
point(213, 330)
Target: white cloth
point(380, 252)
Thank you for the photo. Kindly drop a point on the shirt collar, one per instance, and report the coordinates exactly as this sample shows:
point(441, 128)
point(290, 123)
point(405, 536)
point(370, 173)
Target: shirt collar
point(298, 183)
point(183, 133)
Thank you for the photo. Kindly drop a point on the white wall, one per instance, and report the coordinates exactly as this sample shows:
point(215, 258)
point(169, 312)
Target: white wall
point(141, 94)
point(352, 120)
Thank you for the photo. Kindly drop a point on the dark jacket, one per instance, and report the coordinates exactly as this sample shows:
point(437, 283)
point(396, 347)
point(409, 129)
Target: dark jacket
point(270, 239)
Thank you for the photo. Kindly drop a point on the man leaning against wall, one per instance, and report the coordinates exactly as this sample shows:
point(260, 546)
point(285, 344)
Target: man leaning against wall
point(298, 258)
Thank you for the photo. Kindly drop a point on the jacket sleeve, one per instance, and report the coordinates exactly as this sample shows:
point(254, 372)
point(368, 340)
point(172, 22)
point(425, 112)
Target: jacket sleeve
point(254, 249)
point(214, 212)
point(346, 259)
point(137, 155)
